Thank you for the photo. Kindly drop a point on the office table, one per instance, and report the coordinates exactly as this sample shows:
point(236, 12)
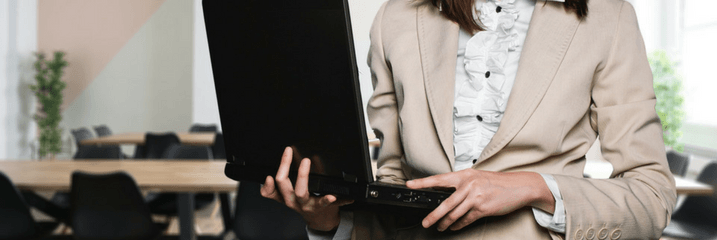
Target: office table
point(603, 169)
point(137, 138)
point(184, 177)
point(692, 187)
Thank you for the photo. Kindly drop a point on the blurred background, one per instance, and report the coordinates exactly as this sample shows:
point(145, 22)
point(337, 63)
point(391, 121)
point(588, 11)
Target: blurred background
point(139, 66)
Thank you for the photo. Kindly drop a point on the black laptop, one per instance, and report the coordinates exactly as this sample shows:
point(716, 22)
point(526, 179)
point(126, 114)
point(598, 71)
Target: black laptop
point(285, 75)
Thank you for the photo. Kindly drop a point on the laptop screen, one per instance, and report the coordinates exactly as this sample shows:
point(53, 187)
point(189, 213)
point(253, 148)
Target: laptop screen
point(285, 75)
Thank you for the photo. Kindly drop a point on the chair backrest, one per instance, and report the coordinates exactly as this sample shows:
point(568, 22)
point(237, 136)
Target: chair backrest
point(257, 217)
point(98, 152)
point(81, 134)
point(102, 130)
point(188, 152)
point(678, 162)
point(218, 148)
point(701, 209)
point(156, 144)
point(109, 206)
point(15, 219)
point(203, 128)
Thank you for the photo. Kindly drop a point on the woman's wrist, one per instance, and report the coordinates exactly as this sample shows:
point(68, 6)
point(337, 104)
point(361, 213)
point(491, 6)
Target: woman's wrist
point(541, 197)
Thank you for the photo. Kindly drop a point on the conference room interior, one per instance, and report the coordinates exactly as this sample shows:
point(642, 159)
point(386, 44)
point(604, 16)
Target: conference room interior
point(139, 112)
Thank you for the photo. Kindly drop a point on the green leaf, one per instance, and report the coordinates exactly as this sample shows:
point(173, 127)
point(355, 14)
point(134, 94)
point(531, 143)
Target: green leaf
point(668, 86)
point(48, 90)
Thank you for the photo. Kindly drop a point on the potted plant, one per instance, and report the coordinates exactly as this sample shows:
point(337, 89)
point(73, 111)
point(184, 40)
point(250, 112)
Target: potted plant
point(668, 87)
point(48, 91)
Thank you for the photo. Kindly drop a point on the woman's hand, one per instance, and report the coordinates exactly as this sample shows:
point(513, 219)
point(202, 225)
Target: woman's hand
point(481, 193)
point(320, 213)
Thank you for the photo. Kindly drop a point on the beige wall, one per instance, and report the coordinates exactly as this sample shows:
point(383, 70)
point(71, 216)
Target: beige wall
point(91, 32)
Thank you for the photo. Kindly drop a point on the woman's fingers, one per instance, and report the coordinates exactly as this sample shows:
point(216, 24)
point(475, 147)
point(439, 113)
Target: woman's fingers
point(327, 200)
point(454, 215)
point(302, 181)
point(448, 205)
point(283, 183)
point(268, 190)
point(285, 165)
point(467, 219)
point(441, 180)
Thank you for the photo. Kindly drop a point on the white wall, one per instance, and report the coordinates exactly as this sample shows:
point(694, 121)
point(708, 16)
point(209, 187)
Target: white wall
point(204, 102)
point(4, 38)
point(18, 42)
point(362, 15)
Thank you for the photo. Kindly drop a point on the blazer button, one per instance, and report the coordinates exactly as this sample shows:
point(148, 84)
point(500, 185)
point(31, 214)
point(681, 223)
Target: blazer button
point(615, 234)
point(480, 119)
point(474, 161)
point(590, 234)
point(602, 234)
point(579, 234)
point(487, 74)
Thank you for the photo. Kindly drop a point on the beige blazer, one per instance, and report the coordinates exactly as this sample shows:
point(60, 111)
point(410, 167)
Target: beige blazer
point(577, 80)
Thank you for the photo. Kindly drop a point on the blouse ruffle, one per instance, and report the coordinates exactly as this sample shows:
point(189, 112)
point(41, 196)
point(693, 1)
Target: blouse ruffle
point(481, 101)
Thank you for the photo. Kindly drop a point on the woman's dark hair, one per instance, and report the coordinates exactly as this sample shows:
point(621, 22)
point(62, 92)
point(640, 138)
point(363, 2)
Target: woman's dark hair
point(461, 11)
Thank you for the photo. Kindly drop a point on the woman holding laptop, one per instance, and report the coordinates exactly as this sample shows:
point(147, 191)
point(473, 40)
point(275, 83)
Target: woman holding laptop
point(500, 100)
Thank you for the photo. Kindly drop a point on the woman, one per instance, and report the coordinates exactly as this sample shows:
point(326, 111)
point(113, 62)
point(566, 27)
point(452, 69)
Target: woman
point(503, 111)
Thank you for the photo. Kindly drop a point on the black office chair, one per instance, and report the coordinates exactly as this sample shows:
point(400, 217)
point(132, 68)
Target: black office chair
point(696, 218)
point(79, 135)
point(257, 217)
point(156, 144)
point(203, 128)
point(59, 204)
point(187, 152)
point(110, 206)
point(99, 152)
point(678, 162)
point(218, 150)
point(16, 222)
point(102, 130)
point(166, 203)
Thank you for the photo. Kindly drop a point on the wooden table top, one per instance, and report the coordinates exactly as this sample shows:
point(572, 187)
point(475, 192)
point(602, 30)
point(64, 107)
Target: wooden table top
point(137, 138)
point(151, 175)
point(691, 187)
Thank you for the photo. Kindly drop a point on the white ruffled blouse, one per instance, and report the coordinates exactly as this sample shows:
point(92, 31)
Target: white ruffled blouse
point(485, 72)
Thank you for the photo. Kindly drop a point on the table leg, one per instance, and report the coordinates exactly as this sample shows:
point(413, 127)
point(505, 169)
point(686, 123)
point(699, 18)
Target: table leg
point(185, 208)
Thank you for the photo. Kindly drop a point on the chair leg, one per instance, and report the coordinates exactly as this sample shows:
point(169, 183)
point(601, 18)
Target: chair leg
point(215, 210)
point(197, 229)
point(169, 224)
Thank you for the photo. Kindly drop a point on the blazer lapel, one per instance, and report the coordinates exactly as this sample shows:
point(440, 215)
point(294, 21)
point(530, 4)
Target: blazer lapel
point(550, 33)
point(438, 43)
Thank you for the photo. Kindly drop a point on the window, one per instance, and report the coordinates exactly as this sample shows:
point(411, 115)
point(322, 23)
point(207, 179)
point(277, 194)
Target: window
point(687, 31)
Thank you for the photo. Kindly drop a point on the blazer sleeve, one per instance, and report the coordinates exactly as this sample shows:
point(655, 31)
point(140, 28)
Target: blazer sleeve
point(638, 199)
point(382, 108)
